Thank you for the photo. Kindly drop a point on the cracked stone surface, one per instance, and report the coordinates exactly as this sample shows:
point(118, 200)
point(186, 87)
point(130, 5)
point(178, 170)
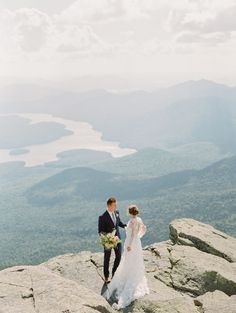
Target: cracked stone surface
point(183, 275)
point(198, 272)
point(216, 301)
point(37, 289)
point(187, 231)
point(84, 267)
point(173, 305)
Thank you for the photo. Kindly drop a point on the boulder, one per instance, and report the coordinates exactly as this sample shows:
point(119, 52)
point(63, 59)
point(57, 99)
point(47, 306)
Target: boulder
point(36, 288)
point(197, 272)
point(152, 305)
point(187, 231)
point(85, 267)
point(162, 257)
point(216, 301)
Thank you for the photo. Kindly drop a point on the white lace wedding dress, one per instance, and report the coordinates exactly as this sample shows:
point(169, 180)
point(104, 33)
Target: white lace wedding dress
point(129, 281)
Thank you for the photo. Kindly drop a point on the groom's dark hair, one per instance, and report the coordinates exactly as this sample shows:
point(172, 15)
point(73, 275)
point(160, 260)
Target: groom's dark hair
point(111, 200)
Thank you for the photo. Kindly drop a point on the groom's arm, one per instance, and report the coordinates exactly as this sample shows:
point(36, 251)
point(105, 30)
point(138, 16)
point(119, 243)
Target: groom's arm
point(100, 225)
point(120, 223)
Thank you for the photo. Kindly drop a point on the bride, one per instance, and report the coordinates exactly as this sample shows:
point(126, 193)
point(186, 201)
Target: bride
point(129, 281)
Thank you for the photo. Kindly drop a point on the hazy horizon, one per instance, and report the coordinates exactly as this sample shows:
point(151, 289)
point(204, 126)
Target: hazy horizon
point(114, 84)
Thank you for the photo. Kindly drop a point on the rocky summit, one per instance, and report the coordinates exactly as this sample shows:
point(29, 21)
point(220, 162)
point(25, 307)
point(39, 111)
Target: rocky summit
point(192, 272)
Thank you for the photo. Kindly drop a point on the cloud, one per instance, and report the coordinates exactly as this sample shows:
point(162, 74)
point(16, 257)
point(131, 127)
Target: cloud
point(81, 41)
point(31, 31)
point(110, 27)
point(208, 39)
point(100, 11)
point(92, 11)
point(28, 29)
point(203, 21)
point(116, 35)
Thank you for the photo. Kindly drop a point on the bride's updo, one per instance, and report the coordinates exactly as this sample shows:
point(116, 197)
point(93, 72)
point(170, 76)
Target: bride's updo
point(133, 209)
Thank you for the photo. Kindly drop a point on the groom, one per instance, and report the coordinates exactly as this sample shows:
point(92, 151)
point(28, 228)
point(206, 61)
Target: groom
point(107, 221)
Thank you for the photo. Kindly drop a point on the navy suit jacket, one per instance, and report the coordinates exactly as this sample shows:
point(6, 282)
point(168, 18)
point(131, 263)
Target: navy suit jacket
point(106, 225)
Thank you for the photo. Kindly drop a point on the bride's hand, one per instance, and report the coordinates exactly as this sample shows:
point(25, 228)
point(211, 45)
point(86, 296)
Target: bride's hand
point(128, 248)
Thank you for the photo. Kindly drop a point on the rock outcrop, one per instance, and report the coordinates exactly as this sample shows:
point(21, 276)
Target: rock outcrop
point(206, 238)
point(31, 289)
point(192, 272)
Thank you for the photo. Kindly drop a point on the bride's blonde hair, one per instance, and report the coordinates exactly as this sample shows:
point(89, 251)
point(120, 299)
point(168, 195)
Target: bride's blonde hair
point(133, 209)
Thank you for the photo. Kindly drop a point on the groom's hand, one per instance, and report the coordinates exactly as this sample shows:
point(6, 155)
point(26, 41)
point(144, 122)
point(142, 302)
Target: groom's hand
point(128, 248)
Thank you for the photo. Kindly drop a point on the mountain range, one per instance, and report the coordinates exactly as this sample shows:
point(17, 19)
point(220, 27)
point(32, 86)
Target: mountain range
point(182, 114)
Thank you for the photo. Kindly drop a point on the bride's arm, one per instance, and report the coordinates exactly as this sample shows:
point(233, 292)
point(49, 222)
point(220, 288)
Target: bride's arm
point(133, 226)
point(143, 229)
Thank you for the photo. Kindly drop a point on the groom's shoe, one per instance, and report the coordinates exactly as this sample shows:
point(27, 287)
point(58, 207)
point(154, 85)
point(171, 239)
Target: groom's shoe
point(107, 280)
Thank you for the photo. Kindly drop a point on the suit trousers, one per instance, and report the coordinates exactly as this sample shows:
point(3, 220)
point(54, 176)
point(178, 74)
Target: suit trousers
point(107, 255)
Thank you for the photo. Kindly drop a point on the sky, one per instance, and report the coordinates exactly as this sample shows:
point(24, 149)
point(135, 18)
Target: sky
point(145, 42)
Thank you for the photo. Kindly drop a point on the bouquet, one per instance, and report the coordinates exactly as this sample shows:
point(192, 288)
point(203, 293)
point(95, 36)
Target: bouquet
point(109, 240)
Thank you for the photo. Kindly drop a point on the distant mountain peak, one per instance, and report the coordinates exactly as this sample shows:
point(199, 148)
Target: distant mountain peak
point(206, 83)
